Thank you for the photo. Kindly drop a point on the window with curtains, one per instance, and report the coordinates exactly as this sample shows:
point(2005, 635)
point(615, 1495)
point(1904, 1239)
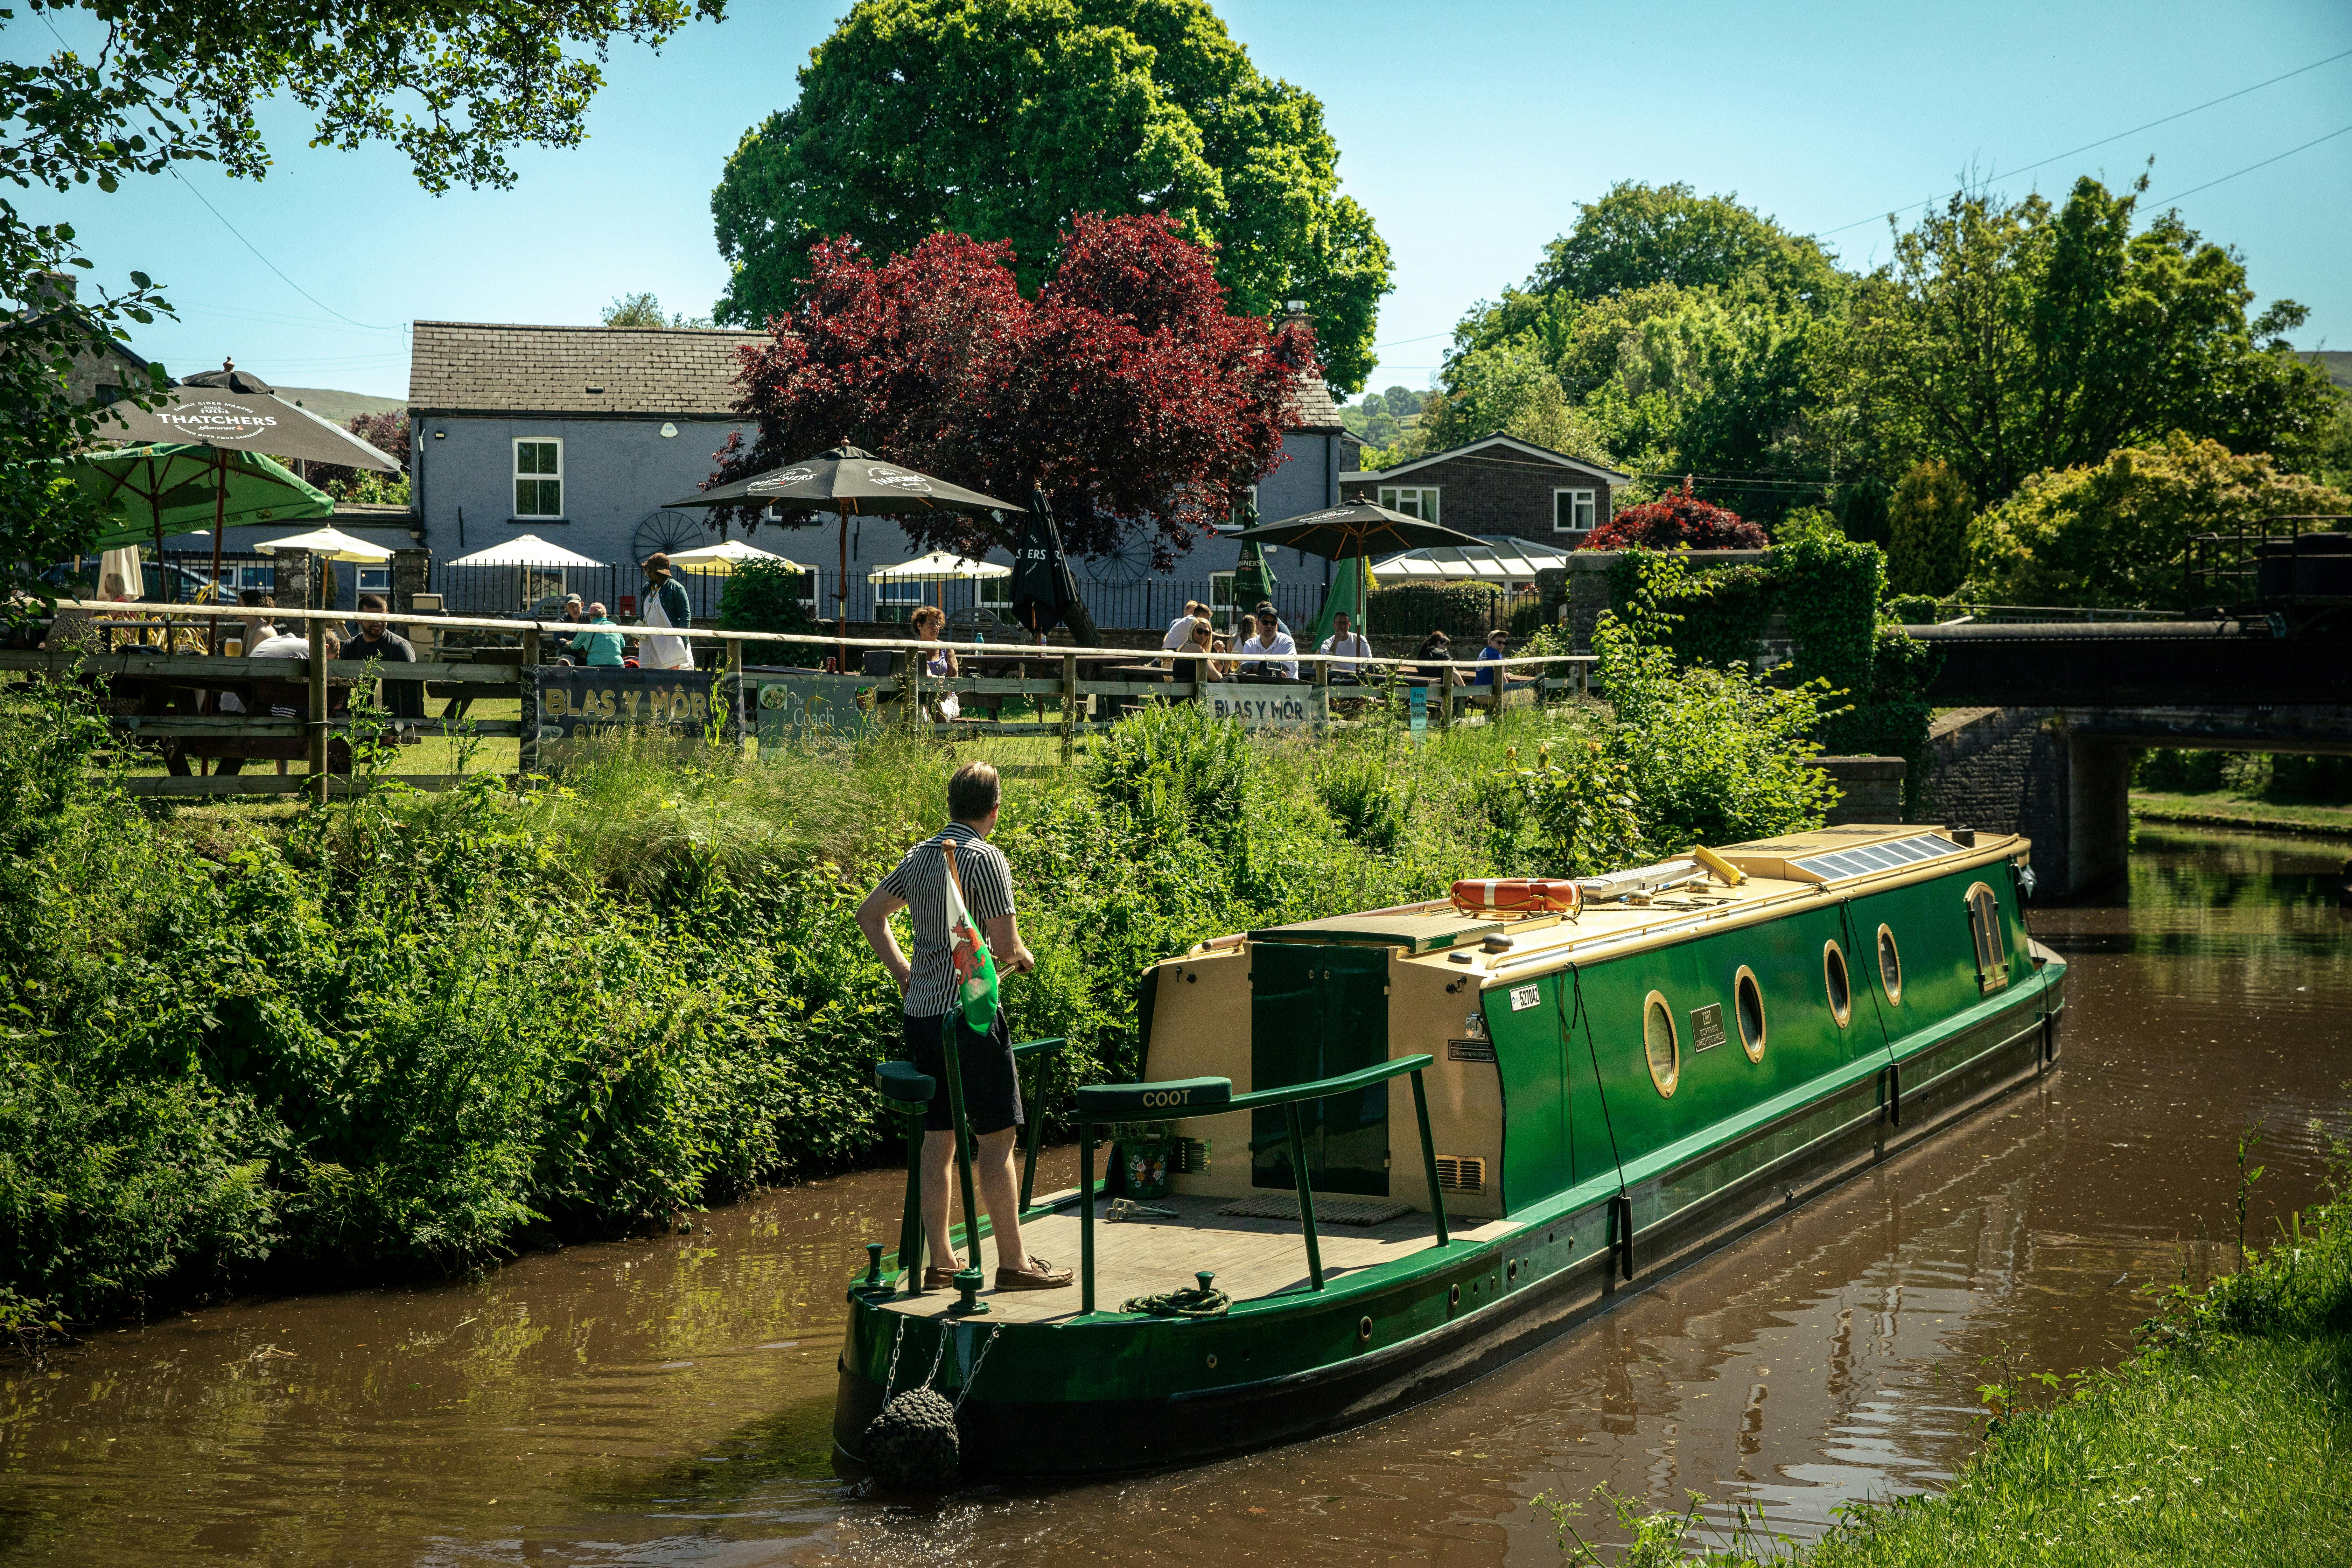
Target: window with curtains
point(1572, 510)
point(1414, 500)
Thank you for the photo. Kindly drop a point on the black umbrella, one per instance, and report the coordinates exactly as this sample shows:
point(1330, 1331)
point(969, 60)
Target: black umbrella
point(232, 410)
point(1045, 591)
point(849, 483)
point(1344, 532)
point(1357, 527)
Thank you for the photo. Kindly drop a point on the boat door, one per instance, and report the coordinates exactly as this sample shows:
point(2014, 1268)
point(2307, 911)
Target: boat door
point(1317, 1010)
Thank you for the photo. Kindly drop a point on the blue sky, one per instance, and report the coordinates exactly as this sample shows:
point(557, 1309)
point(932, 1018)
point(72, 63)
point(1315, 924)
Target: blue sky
point(1470, 130)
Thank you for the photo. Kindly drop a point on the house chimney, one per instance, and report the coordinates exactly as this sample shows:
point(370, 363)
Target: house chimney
point(46, 291)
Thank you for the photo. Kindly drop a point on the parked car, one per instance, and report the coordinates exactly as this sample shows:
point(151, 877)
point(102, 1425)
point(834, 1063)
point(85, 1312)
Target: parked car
point(185, 586)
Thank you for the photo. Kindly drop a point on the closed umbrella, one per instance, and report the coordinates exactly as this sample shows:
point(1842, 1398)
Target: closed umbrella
point(848, 482)
point(1044, 589)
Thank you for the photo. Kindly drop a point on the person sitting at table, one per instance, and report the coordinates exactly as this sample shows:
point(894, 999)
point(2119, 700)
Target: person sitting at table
point(1198, 634)
point(1221, 668)
point(403, 699)
point(1180, 630)
point(574, 613)
point(1496, 676)
point(1346, 643)
point(601, 649)
point(285, 699)
point(931, 625)
point(1268, 654)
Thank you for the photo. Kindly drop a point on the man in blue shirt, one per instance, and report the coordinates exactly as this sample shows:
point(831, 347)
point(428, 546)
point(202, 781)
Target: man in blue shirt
point(1495, 675)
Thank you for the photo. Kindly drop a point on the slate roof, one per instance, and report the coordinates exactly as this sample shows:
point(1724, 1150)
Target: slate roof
point(1312, 408)
point(1513, 443)
point(488, 367)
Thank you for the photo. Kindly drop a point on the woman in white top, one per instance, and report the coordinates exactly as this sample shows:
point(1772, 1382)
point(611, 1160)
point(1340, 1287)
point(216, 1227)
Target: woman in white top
point(931, 622)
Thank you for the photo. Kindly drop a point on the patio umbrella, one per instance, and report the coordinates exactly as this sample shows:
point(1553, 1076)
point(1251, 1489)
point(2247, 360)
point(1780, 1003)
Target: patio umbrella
point(331, 543)
point(939, 566)
point(848, 482)
point(1045, 590)
point(1344, 532)
point(233, 411)
point(1253, 578)
point(525, 550)
point(719, 560)
point(150, 491)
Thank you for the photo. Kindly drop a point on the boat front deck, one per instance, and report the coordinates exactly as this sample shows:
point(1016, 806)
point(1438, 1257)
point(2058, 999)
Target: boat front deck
point(1149, 1256)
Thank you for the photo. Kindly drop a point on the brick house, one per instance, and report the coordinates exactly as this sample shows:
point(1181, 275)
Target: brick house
point(1500, 486)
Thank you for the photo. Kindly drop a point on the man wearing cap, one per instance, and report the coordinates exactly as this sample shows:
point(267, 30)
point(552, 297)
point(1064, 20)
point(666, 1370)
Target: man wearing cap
point(666, 606)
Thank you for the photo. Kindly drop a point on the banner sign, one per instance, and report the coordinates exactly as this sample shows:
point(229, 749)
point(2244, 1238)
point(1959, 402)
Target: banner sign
point(575, 703)
point(1267, 706)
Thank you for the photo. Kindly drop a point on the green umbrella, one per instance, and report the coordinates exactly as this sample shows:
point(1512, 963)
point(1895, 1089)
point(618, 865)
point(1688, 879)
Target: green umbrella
point(146, 492)
point(1252, 578)
point(1350, 590)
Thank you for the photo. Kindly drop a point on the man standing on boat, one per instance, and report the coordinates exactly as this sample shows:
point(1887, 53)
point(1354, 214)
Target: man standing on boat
point(992, 1093)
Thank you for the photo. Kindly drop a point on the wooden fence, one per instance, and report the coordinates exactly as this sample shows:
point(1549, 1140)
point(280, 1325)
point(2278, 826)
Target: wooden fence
point(178, 690)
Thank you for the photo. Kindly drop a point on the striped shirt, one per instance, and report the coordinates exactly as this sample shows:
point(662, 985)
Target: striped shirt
point(922, 879)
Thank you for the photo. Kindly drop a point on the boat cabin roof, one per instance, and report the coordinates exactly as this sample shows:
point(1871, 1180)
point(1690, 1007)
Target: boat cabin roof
point(1499, 949)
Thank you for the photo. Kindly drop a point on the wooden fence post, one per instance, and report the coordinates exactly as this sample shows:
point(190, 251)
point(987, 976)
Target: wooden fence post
point(735, 697)
point(318, 630)
point(1070, 700)
point(1442, 690)
point(527, 709)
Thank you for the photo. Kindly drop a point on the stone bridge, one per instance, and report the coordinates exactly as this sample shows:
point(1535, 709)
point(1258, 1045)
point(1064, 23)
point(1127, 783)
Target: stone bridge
point(2061, 775)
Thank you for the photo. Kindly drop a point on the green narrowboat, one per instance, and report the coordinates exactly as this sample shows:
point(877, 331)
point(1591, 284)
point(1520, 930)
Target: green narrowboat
point(1412, 1143)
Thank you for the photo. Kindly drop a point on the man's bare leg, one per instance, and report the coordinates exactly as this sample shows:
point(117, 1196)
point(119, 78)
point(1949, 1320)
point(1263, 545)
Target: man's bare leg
point(999, 1194)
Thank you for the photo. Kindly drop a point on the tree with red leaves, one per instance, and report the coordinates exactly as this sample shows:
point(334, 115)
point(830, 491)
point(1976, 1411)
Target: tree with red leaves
point(1125, 390)
point(1677, 518)
point(387, 432)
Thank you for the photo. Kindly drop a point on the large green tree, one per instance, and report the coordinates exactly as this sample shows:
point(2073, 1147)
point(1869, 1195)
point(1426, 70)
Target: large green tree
point(2006, 337)
point(1005, 119)
point(454, 87)
point(1640, 235)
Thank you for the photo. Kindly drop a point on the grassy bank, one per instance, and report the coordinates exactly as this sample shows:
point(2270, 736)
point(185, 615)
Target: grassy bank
point(2227, 1438)
point(2224, 809)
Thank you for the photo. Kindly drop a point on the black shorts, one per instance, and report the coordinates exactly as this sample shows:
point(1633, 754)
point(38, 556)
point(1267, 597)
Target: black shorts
point(992, 1090)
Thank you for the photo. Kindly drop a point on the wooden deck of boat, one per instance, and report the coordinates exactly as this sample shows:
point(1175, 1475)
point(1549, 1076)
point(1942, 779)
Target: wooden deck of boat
point(1252, 1258)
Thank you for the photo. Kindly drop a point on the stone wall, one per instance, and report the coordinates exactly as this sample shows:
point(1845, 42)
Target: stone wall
point(2030, 771)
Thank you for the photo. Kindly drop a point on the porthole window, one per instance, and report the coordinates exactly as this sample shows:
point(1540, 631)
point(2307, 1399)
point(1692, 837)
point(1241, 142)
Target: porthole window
point(1747, 998)
point(1833, 976)
point(1890, 964)
point(1659, 1044)
point(1993, 947)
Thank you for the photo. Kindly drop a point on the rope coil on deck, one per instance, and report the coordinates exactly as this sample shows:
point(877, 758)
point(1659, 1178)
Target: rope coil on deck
point(1203, 1302)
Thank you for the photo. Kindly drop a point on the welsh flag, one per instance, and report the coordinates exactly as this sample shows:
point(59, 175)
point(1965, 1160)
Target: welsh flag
point(975, 966)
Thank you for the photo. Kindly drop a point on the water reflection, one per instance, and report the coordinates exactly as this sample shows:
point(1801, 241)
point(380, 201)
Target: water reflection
point(668, 1401)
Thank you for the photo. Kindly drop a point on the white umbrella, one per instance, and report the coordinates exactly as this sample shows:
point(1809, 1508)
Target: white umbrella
point(331, 543)
point(939, 566)
point(525, 550)
point(721, 559)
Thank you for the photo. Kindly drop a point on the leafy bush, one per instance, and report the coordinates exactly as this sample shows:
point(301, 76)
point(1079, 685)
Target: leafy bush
point(1175, 768)
point(1677, 518)
point(763, 596)
point(1361, 798)
point(1464, 612)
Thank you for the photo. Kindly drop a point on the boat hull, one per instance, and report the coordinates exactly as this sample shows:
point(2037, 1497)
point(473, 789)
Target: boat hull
point(1112, 1394)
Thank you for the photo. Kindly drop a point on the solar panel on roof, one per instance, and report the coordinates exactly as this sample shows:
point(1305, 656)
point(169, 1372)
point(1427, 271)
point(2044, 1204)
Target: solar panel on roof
point(1865, 859)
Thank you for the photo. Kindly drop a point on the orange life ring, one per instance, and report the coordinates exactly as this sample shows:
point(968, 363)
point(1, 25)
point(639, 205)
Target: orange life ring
point(1517, 896)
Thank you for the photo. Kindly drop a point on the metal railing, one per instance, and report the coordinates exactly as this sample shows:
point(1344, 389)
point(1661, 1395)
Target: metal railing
point(2219, 569)
point(2044, 615)
point(1106, 1104)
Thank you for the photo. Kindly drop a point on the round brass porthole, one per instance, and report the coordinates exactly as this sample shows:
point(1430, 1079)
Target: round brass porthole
point(1454, 1297)
point(1212, 1361)
point(1841, 988)
point(1364, 1329)
point(1513, 1270)
point(1659, 1044)
point(1747, 1001)
point(1890, 964)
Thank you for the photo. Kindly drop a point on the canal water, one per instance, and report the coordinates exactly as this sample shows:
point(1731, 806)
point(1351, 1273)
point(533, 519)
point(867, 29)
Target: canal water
point(668, 1400)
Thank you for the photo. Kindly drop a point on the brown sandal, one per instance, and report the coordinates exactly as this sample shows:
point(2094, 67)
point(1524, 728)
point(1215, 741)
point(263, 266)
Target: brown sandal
point(1041, 1275)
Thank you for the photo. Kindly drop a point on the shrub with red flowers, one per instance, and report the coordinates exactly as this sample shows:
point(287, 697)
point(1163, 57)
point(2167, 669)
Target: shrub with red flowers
point(1677, 518)
point(1124, 389)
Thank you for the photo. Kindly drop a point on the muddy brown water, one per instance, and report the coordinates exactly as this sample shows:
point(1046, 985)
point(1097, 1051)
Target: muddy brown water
point(667, 1402)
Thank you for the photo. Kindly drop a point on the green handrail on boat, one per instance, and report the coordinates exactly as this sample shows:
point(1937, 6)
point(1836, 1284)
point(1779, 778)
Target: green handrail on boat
point(1179, 1100)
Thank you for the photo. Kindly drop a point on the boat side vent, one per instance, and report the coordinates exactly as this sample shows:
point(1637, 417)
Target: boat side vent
point(1461, 1173)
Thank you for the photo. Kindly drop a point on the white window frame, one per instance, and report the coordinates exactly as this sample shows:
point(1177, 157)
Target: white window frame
point(809, 591)
point(992, 592)
point(373, 580)
point(1247, 500)
point(518, 476)
point(896, 603)
point(1221, 608)
point(1592, 500)
point(1414, 500)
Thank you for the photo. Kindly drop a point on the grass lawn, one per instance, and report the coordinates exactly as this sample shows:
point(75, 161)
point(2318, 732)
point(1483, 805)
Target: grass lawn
point(2221, 809)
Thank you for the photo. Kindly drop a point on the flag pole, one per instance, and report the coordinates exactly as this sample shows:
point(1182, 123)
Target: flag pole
point(968, 1279)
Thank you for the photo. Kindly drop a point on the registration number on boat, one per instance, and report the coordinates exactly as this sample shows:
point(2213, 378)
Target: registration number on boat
point(1525, 996)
